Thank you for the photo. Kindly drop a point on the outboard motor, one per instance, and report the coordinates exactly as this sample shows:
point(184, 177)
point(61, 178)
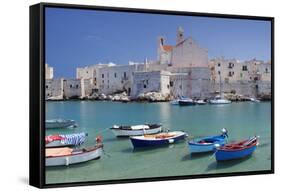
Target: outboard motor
point(224, 132)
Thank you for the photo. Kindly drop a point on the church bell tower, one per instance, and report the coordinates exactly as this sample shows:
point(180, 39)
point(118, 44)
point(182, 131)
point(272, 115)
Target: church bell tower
point(180, 35)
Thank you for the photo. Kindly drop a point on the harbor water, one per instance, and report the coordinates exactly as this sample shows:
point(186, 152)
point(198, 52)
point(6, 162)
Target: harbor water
point(121, 161)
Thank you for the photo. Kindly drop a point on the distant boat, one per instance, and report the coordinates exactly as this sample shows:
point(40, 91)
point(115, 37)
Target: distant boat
point(176, 101)
point(134, 130)
point(207, 144)
point(254, 100)
point(65, 140)
point(60, 123)
point(219, 100)
point(187, 102)
point(201, 102)
point(159, 139)
point(237, 150)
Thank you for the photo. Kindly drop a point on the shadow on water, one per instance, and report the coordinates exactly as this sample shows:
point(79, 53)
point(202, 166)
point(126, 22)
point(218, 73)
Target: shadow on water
point(114, 139)
point(263, 145)
point(226, 164)
point(151, 149)
point(195, 156)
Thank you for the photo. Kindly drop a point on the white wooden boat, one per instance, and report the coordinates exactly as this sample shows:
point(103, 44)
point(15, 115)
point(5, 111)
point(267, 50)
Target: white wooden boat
point(135, 130)
point(66, 156)
point(68, 140)
point(59, 123)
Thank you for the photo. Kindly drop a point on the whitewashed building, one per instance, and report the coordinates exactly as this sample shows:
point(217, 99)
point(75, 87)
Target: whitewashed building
point(54, 88)
point(74, 88)
point(49, 72)
point(153, 81)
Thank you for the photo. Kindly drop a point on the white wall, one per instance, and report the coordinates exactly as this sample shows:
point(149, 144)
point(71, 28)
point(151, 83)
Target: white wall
point(14, 106)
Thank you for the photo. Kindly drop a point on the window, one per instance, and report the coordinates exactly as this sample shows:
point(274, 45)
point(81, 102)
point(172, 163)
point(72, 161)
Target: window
point(115, 75)
point(180, 87)
point(171, 83)
point(219, 72)
point(219, 64)
point(47, 87)
point(103, 81)
point(102, 75)
point(168, 86)
point(70, 86)
point(244, 68)
point(125, 74)
point(77, 86)
point(266, 70)
point(95, 79)
point(144, 85)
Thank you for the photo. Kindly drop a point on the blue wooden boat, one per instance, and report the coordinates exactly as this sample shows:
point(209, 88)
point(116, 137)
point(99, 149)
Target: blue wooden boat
point(237, 150)
point(159, 139)
point(207, 144)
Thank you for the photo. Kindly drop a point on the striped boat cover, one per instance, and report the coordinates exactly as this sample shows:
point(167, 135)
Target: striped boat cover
point(74, 139)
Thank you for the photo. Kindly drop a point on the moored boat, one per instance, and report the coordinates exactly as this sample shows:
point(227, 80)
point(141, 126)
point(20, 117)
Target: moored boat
point(134, 130)
point(65, 156)
point(65, 140)
point(176, 101)
point(254, 100)
point(159, 139)
point(59, 123)
point(187, 102)
point(237, 150)
point(201, 102)
point(207, 144)
point(219, 100)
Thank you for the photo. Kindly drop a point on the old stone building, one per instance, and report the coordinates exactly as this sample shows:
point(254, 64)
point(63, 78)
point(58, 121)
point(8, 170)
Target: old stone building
point(153, 81)
point(249, 78)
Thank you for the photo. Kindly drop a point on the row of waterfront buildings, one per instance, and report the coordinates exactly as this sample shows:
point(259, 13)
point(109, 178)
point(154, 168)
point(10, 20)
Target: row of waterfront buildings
point(183, 69)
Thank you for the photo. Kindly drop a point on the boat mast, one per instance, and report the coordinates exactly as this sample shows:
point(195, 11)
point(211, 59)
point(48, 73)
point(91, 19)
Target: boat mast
point(220, 83)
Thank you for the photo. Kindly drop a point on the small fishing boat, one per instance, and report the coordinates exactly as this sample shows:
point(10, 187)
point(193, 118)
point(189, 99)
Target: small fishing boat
point(134, 130)
point(237, 150)
point(60, 123)
point(65, 140)
point(159, 139)
point(207, 144)
point(219, 100)
point(65, 156)
point(187, 102)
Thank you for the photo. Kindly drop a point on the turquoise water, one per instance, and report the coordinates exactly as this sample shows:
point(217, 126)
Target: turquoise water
point(120, 161)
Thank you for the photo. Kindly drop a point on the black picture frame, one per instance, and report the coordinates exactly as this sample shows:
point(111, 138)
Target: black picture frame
point(37, 93)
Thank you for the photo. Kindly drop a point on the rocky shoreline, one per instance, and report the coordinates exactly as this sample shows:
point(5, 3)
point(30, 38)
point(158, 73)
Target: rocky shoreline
point(150, 97)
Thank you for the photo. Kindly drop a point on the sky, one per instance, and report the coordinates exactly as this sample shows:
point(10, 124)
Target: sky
point(78, 38)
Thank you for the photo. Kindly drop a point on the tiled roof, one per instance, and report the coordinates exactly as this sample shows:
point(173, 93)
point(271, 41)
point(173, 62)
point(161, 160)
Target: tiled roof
point(168, 48)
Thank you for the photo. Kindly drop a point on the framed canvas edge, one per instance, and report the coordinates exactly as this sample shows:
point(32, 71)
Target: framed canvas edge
point(37, 90)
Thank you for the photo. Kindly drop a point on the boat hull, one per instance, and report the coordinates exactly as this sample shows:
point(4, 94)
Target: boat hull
point(55, 124)
point(144, 143)
point(187, 103)
point(127, 133)
point(74, 159)
point(216, 102)
point(197, 147)
point(223, 155)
